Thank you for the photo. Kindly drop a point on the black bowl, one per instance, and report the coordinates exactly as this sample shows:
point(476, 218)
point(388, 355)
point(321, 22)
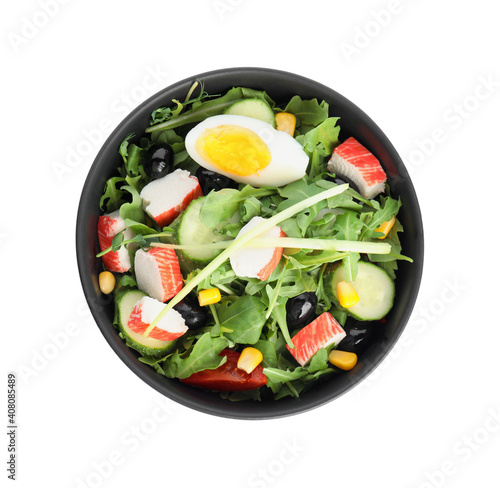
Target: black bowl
point(281, 86)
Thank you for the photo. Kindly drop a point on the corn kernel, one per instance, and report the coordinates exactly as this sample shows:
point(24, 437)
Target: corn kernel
point(385, 227)
point(107, 282)
point(343, 359)
point(347, 294)
point(208, 297)
point(286, 122)
point(249, 359)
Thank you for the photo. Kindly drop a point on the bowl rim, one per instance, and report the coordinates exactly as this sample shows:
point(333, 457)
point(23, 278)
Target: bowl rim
point(146, 373)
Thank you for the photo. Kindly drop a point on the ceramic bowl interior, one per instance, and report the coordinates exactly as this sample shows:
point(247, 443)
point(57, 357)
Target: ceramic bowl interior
point(281, 86)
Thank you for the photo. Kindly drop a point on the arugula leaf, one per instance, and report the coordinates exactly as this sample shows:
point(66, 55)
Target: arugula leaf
point(372, 220)
point(132, 210)
point(324, 299)
point(221, 205)
point(299, 225)
point(112, 196)
point(154, 362)
point(310, 260)
point(165, 113)
point(291, 227)
point(268, 350)
point(131, 155)
point(282, 376)
point(170, 137)
point(138, 227)
point(203, 355)
point(126, 281)
point(319, 361)
point(295, 192)
point(244, 318)
point(348, 227)
point(117, 241)
point(323, 138)
point(308, 112)
point(389, 262)
point(249, 209)
point(273, 294)
point(252, 93)
point(317, 164)
point(279, 314)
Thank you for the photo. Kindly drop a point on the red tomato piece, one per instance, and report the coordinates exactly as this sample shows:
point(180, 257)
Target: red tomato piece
point(228, 377)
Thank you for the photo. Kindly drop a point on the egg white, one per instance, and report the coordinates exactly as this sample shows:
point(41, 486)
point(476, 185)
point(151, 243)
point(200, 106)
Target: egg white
point(288, 159)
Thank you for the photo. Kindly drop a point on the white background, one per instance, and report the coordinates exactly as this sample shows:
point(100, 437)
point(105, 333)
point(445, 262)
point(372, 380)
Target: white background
point(429, 416)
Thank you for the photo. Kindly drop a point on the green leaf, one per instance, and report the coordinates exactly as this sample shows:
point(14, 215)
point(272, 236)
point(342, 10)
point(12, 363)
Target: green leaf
point(323, 138)
point(388, 262)
point(132, 155)
point(126, 281)
point(116, 242)
point(308, 260)
point(251, 93)
point(268, 350)
point(297, 191)
point(291, 228)
point(165, 113)
point(372, 220)
point(319, 361)
point(350, 264)
point(244, 317)
point(279, 314)
point(221, 205)
point(170, 137)
point(293, 193)
point(317, 164)
point(308, 112)
point(132, 210)
point(249, 209)
point(203, 355)
point(282, 376)
point(154, 363)
point(273, 294)
point(111, 199)
point(138, 227)
point(348, 226)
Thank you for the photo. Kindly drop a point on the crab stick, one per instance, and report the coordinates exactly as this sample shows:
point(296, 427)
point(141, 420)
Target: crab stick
point(355, 162)
point(321, 332)
point(169, 328)
point(254, 262)
point(107, 227)
point(165, 198)
point(158, 273)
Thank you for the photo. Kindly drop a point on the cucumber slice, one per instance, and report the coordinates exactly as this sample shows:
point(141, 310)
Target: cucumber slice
point(374, 287)
point(253, 107)
point(192, 232)
point(145, 345)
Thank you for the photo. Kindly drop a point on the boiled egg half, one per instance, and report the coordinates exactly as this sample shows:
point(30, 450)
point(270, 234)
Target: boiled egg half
point(247, 150)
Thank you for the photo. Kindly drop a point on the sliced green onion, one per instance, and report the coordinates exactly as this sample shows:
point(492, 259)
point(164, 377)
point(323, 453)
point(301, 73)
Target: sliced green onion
point(294, 242)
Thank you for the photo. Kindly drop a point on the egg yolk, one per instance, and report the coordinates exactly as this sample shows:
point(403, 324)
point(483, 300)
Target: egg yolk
point(233, 149)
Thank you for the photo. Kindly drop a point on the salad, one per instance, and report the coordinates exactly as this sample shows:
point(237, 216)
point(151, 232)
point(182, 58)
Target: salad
point(249, 250)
